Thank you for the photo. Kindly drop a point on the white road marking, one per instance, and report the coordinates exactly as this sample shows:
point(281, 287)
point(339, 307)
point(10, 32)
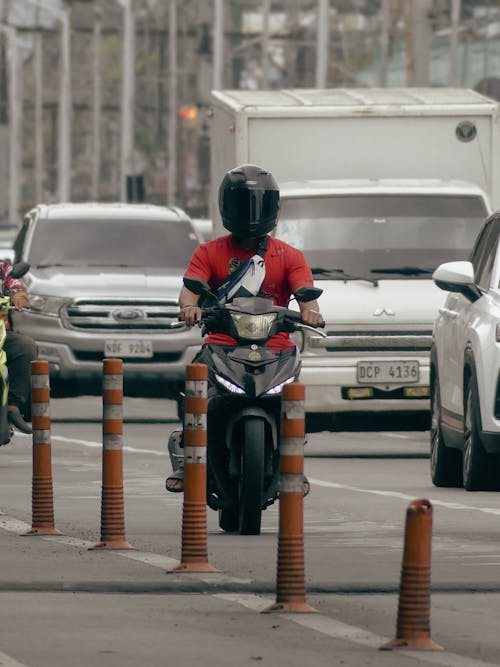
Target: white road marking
point(155, 560)
point(351, 633)
point(92, 444)
point(387, 434)
point(7, 661)
point(403, 496)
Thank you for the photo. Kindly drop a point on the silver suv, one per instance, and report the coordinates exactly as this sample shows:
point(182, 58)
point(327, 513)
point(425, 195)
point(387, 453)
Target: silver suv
point(104, 282)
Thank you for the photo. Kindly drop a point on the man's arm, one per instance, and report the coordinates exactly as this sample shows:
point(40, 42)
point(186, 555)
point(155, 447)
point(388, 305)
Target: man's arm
point(188, 305)
point(309, 311)
point(14, 287)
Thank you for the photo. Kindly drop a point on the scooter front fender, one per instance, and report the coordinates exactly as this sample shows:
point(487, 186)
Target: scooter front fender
point(251, 411)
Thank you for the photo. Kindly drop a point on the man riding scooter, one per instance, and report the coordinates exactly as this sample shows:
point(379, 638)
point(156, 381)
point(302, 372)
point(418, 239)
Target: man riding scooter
point(247, 261)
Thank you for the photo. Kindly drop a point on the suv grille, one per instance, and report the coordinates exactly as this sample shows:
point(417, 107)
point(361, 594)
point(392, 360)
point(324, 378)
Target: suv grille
point(121, 316)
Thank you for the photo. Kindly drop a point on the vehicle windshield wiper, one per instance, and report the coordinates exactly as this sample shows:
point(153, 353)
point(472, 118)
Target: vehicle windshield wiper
point(403, 270)
point(340, 274)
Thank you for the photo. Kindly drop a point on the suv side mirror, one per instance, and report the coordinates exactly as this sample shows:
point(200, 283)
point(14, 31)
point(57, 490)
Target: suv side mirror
point(19, 269)
point(457, 277)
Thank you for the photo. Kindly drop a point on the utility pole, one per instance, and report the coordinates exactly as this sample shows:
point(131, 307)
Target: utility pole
point(418, 41)
point(39, 163)
point(172, 105)
point(323, 32)
point(455, 24)
point(65, 104)
point(96, 106)
point(422, 40)
point(218, 44)
point(385, 23)
point(266, 8)
point(15, 122)
point(128, 95)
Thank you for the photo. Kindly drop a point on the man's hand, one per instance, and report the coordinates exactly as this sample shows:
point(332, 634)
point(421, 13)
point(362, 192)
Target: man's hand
point(190, 315)
point(312, 317)
point(309, 311)
point(20, 300)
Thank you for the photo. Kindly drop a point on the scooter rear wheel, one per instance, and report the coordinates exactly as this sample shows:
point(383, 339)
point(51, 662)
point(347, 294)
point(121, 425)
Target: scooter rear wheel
point(252, 476)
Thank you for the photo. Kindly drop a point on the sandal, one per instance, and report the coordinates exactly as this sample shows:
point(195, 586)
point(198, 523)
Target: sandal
point(175, 482)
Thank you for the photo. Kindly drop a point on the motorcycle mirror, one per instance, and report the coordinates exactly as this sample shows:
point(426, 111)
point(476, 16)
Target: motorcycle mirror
point(196, 285)
point(306, 293)
point(19, 269)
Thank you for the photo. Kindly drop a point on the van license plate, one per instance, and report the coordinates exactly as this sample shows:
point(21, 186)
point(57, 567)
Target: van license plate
point(128, 348)
point(387, 372)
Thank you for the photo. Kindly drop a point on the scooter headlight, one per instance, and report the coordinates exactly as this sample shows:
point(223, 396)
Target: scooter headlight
point(253, 327)
point(230, 386)
point(277, 389)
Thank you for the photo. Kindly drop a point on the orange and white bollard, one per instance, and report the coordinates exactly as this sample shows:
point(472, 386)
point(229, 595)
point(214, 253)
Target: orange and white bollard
point(291, 587)
point(414, 609)
point(42, 492)
point(194, 551)
point(112, 503)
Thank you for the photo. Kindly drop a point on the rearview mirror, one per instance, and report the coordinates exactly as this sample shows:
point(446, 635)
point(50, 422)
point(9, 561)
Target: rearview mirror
point(306, 293)
point(196, 285)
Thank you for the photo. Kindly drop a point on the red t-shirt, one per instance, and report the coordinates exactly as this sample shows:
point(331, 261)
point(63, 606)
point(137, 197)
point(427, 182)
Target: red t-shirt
point(286, 271)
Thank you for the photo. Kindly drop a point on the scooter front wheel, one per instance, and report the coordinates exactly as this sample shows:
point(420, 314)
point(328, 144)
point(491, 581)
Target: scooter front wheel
point(252, 476)
point(228, 519)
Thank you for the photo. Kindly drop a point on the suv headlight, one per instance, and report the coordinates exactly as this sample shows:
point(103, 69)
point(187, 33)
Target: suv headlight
point(253, 327)
point(48, 305)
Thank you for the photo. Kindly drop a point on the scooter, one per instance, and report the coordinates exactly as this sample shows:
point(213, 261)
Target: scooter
point(6, 431)
point(244, 403)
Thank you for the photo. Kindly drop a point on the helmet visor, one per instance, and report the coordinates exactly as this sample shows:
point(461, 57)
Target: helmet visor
point(250, 206)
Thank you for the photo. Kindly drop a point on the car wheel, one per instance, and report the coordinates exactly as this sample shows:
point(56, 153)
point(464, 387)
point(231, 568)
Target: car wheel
point(479, 467)
point(446, 464)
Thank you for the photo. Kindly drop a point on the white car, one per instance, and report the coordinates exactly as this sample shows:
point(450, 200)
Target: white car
point(465, 365)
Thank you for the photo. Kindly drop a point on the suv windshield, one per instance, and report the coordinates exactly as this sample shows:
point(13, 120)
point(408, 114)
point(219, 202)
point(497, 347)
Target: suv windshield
point(367, 235)
point(112, 242)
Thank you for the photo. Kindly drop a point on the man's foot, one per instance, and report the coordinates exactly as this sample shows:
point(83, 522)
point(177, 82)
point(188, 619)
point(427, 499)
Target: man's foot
point(16, 419)
point(175, 482)
point(306, 487)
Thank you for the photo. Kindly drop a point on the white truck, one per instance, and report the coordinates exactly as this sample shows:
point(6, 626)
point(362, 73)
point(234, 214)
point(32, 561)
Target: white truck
point(378, 187)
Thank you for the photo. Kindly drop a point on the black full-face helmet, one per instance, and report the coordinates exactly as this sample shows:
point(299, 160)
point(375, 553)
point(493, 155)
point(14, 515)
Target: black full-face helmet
point(249, 201)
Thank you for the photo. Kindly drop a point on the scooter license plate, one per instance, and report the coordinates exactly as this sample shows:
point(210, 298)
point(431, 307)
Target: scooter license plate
point(388, 372)
point(128, 348)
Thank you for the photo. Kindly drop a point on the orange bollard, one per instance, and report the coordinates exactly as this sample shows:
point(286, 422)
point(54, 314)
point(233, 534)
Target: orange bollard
point(194, 553)
point(291, 587)
point(42, 495)
point(414, 609)
point(112, 505)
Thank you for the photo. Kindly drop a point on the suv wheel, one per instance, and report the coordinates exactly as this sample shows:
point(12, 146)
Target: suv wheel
point(446, 468)
point(479, 467)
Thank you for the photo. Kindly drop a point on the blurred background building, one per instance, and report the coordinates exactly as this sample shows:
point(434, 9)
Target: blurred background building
point(109, 99)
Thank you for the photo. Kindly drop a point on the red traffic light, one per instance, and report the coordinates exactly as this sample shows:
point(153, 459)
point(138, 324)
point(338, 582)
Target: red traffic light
point(188, 113)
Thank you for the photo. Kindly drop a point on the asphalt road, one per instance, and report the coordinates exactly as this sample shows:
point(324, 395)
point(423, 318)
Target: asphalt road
point(61, 603)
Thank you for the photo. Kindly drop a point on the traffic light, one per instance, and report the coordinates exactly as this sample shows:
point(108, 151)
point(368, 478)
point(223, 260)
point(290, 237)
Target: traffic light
point(189, 113)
